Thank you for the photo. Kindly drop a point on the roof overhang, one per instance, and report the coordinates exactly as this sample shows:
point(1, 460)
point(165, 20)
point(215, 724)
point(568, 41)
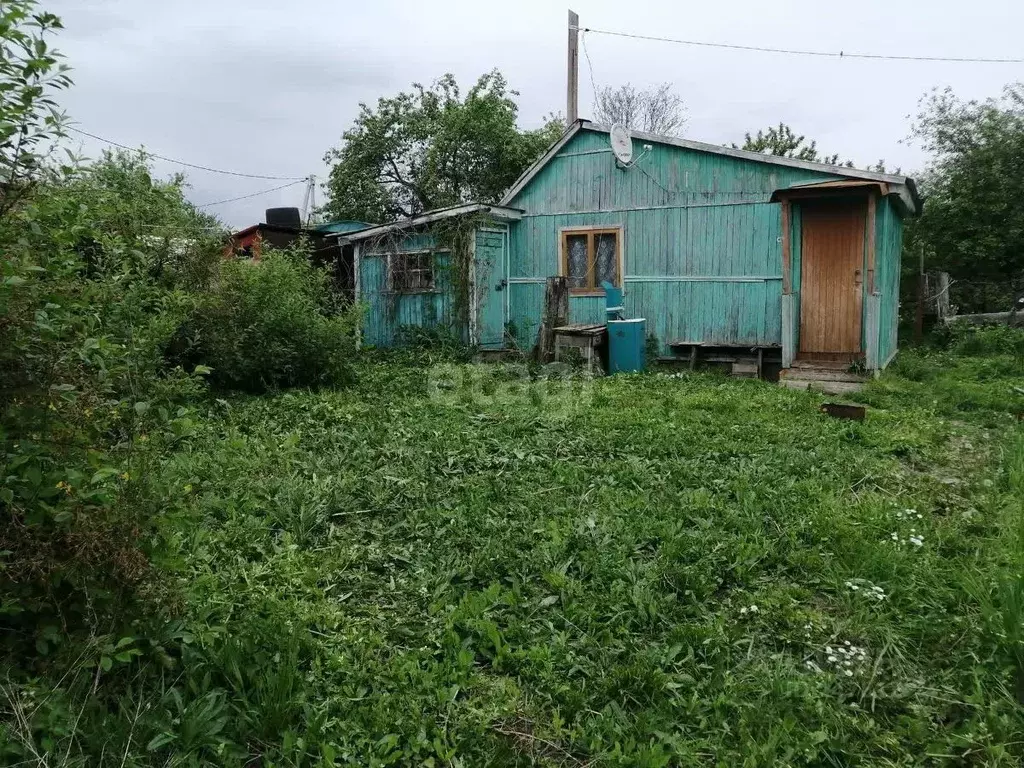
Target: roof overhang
point(269, 228)
point(500, 212)
point(903, 186)
point(826, 189)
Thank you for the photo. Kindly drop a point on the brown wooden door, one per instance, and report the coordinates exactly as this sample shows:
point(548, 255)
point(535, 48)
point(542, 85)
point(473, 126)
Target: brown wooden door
point(831, 276)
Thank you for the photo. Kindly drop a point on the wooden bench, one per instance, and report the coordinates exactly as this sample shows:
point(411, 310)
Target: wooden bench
point(586, 339)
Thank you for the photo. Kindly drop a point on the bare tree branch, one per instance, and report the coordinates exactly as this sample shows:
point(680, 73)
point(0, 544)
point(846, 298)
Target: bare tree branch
point(655, 110)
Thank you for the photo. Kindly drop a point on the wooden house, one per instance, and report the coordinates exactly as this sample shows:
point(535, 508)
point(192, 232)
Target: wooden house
point(723, 251)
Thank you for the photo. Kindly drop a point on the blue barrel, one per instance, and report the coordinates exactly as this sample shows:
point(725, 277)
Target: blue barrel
point(626, 342)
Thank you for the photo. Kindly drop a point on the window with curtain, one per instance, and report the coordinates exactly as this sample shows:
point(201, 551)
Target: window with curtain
point(591, 257)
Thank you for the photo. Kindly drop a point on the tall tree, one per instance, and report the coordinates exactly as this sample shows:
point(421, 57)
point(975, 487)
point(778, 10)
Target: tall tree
point(973, 223)
point(654, 110)
point(431, 148)
point(782, 142)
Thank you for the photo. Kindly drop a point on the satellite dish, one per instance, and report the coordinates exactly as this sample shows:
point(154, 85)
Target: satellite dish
point(622, 144)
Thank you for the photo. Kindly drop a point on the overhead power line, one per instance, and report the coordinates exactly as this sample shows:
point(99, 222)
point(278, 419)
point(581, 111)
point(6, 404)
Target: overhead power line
point(188, 165)
point(254, 194)
point(590, 66)
point(796, 52)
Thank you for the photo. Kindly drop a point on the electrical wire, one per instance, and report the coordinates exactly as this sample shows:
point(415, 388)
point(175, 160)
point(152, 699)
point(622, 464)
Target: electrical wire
point(796, 52)
point(187, 165)
point(254, 194)
point(590, 66)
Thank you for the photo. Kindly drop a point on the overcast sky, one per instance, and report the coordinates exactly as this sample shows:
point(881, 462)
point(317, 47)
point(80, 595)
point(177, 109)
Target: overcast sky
point(267, 88)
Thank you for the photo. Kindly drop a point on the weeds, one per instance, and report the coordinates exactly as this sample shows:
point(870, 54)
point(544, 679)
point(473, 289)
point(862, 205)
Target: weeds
point(674, 571)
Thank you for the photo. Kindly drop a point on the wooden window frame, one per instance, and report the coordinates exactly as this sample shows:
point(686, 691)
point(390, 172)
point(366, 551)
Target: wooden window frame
point(404, 255)
point(591, 231)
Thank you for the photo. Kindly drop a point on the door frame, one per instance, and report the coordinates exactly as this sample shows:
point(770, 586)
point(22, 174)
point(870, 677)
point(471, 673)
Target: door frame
point(791, 240)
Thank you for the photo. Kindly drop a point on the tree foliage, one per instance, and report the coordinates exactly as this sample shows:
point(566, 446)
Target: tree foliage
point(102, 265)
point(30, 73)
point(95, 260)
point(973, 223)
point(653, 110)
point(430, 148)
point(781, 141)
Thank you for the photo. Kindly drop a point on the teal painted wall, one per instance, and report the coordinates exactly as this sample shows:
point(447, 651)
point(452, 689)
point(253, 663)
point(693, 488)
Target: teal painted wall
point(702, 257)
point(387, 312)
point(702, 250)
point(796, 241)
point(490, 292)
point(888, 255)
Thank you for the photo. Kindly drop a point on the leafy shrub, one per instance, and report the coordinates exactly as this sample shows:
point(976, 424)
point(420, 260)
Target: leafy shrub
point(88, 299)
point(430, 344)
point(986, 340)
point(270, 324)
point(911, 366)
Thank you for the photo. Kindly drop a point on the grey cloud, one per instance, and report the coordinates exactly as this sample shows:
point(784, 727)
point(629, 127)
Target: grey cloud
point(268, 87)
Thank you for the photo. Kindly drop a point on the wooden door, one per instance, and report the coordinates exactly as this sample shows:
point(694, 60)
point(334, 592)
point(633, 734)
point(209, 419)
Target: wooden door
point(831, 276)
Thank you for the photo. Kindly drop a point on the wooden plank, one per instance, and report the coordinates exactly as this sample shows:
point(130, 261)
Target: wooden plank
point(844, 411)
point(358, 292)
point(786, 246)
point(556, 314)
point(788, 342)
point(871, 355)
point(872, 204)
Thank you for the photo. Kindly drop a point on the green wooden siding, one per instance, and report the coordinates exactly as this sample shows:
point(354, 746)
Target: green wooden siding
point(702, 257)
point(701, 241)
point(584, 177)
point(490, 293)
point(888, 254)
point(388, 311)
point(796, 242)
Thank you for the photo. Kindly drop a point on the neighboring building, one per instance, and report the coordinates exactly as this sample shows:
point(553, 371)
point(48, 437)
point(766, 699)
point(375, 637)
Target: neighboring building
point(716, 247)
point(283, 228)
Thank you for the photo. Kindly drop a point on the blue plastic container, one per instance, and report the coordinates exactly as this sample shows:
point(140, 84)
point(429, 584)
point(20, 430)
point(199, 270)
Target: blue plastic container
point(626, 345)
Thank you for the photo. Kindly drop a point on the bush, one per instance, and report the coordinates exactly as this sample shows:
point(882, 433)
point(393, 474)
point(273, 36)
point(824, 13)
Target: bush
point(987, 340)
point(91, 287)
point(270, 324)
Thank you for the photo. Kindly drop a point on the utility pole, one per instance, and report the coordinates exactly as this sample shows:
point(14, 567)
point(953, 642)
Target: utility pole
point(572, 110)
point(309, 201)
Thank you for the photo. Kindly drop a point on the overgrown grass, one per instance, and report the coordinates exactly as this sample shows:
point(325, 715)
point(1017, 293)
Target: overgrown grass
point(646, 571)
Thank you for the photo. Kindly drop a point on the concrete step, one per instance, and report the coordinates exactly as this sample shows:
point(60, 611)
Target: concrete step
point(821, 374)
point(831, 365)
point(829, 387)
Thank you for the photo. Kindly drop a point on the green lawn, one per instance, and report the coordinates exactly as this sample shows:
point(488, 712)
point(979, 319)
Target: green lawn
point(645, 570)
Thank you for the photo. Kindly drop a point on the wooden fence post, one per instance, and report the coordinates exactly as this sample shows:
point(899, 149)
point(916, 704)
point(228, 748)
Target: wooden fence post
point(556, 313)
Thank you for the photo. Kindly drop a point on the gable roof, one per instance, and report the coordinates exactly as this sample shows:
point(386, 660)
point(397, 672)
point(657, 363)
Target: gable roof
point(438, 214)
point(900, 185)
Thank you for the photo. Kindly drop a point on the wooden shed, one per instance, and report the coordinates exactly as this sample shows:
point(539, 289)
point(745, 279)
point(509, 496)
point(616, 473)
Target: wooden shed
point(721, 250)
